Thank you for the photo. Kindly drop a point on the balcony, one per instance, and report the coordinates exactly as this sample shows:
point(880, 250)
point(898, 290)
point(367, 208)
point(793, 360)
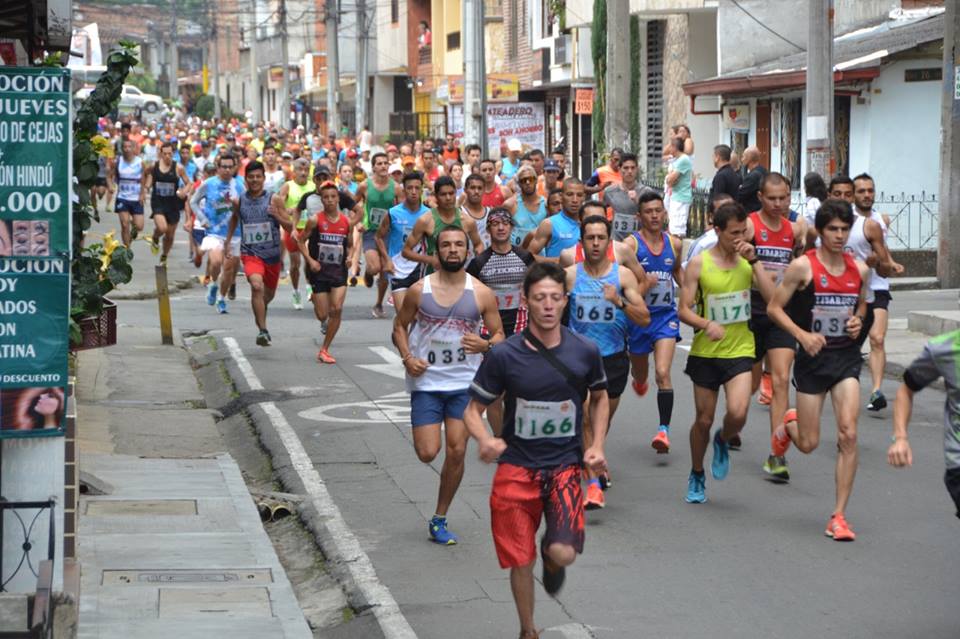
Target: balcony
point(425, 55)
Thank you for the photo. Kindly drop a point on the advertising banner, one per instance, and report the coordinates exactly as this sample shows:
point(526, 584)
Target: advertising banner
point(501, 87)
point(523, 120)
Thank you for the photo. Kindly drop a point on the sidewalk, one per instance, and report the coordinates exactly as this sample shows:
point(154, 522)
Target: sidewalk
point(175, 547)
point(907, 337)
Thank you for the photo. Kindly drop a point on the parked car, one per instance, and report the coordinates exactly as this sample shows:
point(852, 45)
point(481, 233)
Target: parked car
point(131, 98)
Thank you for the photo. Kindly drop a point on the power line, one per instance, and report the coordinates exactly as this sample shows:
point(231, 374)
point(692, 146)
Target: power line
point(758, 21)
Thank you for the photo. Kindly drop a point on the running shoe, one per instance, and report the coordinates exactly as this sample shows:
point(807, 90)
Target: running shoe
point(325, 357)
point(309, 291)
point(661, 442)
point(780, 440)
point(776, 467)
point(696, 488)
point(439, 533)
point(353, 280)
point(640, 389)
point(605, 481)
point(263, 338)
point(134, 232)
point(377, 312)
point(877, 401)
point(297, 301)
point(735, 443)
point(154, 245)
point(232, 293)
point(212, 290)
point(198, 259)
point(552, 578)
point(323, 327)
point(390, 300)
point(720, 465)
point(839, 529)
point(368, 280)
point(766, 389)
point(163, 260)
point(222, 306)
point(594, 499)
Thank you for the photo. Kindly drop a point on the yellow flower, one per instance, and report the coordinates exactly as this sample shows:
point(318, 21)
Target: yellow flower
point(109, 246)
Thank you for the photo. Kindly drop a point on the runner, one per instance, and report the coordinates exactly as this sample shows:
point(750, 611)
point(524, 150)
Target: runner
point(166, 199)
point(562, 230)
point(502, 267)
point(473, 206)
point(274, 177)
point(218, 195)
point(428, 227)
point(324, 242)
point(292, 193)
point(392, 235)
point(659, 255)
point(260, 214)
point(722, 353)
point(531, 207)
point(940, 358)
point(622, 199)
point(603, 295)
point(826, 288)
point(494, 194)
point(375, 196)
point(545, 374)
point(436, 332)
point(131, 180)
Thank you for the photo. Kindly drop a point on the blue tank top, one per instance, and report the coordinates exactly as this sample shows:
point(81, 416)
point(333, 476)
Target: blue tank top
point(402, 220)
point(662, 297)
point(508, 169)
point(564, 234)
point(592, 316)
point(526, 221)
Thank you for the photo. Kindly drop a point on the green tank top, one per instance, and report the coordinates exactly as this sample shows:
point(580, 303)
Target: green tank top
point(295, 193)
point(725, 299)
point(377, 204)
point(439, 225)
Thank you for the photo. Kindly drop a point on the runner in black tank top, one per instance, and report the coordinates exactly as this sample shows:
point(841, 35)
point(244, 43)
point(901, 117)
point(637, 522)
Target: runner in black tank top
point(171, 187)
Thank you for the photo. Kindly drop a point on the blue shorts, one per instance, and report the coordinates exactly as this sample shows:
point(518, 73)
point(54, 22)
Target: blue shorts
point(131, 207)
point(198, 235)
point(663, 325)
point(431, 407)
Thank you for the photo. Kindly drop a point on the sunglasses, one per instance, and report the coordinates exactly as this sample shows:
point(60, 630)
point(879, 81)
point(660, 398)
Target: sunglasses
point(528, 179)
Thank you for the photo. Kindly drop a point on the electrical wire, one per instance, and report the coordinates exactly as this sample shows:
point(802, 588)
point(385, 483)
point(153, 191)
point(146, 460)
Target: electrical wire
point(758, 21)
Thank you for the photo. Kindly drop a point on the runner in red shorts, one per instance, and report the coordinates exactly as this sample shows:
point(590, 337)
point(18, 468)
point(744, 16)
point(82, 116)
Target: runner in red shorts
point(260, 215)
point(545, 373)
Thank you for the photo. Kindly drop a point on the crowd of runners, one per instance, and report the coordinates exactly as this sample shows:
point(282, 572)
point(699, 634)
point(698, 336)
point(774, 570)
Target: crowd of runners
point(527, 301)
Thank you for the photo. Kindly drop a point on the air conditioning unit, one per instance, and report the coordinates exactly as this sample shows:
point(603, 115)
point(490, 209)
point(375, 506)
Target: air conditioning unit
point(560, 50)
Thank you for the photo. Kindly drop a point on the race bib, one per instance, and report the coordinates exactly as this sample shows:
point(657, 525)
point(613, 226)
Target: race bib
point(258, 233)
point(831, 321)
point(128, 189)
point(445, 351)
point(544, 420)
point(624, 224)
point(164, 189)
point(374, 217)
point(508, 297)
point(330, 253)
point(729, 308)
point(594, 308)
point(661, 294)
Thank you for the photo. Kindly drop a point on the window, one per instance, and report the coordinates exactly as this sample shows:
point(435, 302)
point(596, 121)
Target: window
point(453, 41)
point(394, 11)
point(493, 9)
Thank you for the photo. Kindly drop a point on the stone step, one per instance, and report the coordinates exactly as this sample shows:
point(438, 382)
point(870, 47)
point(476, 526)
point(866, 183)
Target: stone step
point(913, 283)
point(933, 322)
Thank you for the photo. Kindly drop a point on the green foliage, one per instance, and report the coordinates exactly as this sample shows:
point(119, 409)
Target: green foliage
point(635, 126)
point(143, 81)
point(558, 8)
point(204, 108)
point(96, 270)
point(598, 47)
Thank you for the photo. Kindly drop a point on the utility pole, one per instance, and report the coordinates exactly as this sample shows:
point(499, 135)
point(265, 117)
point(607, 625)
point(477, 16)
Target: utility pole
point(284, 115)
point(618, 76)
point(215, 43)
point(948, 255)
point(174, 57)
point(474, 76)
point(254, 99)
point(333, 68)
point(363, 40)
point(819, 96)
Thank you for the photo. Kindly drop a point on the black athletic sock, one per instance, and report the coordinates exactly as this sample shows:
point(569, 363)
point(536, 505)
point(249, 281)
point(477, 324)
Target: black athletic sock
point(665, 405)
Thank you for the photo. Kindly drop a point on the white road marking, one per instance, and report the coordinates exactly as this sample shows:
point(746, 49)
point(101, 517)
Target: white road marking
point(571, 631)
point(391, 409)
point(392, 622)
point(393, 366)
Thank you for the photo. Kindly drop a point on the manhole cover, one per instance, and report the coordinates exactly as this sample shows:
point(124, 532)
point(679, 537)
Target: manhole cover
point(242, 602)
point(132, 507)
point(251, 577)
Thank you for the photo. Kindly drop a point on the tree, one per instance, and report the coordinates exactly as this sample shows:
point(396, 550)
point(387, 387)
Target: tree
point(598, 47)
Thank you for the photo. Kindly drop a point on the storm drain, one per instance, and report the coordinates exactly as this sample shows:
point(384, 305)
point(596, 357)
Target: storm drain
point(250, 577)
point(134, 507)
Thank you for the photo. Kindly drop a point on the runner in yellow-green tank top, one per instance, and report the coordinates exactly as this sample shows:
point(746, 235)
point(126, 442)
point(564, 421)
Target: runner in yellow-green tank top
point(718, 283)
point(292, 191)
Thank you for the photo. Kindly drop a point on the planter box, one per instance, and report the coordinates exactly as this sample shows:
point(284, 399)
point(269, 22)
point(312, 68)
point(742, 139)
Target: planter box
point(99, 331)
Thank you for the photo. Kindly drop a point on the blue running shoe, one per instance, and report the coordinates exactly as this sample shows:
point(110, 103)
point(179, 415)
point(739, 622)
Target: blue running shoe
point(721, 458)
point(696, 488)
point(222, 306)
point(212, 290)
point(439, 533)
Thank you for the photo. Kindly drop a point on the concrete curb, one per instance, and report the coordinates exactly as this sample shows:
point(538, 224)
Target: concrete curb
point(175, 287)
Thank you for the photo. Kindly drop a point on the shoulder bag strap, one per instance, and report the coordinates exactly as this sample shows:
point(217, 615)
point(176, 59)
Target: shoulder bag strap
point(572, 380)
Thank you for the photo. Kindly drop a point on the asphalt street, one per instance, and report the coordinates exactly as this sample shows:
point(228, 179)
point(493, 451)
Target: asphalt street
point(751, 562)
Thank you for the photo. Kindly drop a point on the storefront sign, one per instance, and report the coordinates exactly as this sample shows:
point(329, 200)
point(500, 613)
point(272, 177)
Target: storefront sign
point(523, 121)
point(736, 117)
point(501, 87)
point(583, 104)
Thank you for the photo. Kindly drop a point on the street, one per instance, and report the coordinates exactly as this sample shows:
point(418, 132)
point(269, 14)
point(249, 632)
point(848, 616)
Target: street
point(751, 562)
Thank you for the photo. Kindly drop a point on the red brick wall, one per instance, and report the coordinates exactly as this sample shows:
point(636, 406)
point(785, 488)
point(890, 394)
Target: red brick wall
point(527, 63)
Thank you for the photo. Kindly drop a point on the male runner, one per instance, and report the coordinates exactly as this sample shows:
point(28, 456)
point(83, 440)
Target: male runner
point(531, 207)
point(131, 192)
point(827, 290)
point(658, 253)
point(428, 227)
point(274, 177)
point(562, 230)
point(375, 196)
point(502, 267)
point(218, 195)
point(324, 242)
point(393, 233)
point(622, 199)
point(718, 281)
point(166, 200)
point(603, 295)
point(260, 214)
point(292, 193)
point(436, 332)
point(494, 194)
point(473, 206)
point(545, 375)
point(940, 358)
point(775, 239)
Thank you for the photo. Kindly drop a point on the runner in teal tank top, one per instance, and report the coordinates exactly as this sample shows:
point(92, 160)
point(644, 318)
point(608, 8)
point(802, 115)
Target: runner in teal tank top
point(377, 195)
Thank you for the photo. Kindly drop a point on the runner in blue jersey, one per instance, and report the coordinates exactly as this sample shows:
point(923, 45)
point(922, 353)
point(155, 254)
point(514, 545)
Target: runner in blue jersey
point(531, 207)
point(603, 295)
point(392, 234)
point(562, 230)
point(659, 255)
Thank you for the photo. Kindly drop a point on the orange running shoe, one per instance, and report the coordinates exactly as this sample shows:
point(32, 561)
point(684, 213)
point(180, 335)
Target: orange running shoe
point(839, 529)
point(661, 442)
point(325, 357)
point(766, 389)
point(640, 389)
point(594, 499)
point(779, 441)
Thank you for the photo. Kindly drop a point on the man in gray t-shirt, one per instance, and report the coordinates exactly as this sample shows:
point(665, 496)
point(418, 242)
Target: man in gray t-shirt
point(940, 358)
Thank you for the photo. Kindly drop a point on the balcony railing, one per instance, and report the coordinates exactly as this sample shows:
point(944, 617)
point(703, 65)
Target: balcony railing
point(425, 55)
point(23, 527)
